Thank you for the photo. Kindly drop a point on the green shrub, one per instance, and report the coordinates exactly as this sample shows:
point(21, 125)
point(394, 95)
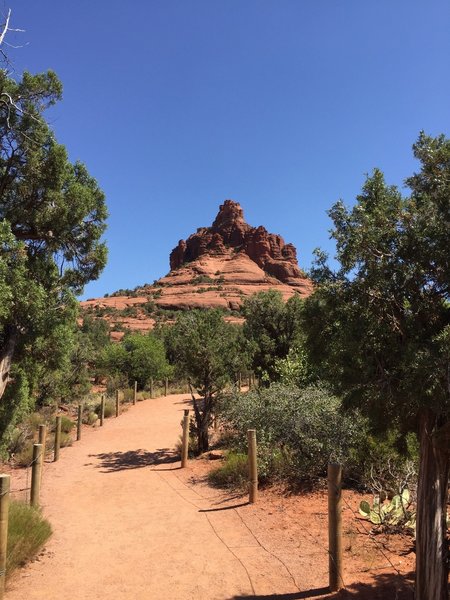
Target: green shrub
point(66, 424)
point(110, 408)
point(34, 420)
point(90, 418)
point(65, 440)
point(24, 458)
point(298, 430)
point(27, 533)
point(233, 473)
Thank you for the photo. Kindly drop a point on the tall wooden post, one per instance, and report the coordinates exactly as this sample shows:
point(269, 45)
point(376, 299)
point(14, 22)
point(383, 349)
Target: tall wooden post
point(135, 393)
point(335, 526)
point(79, 421)
point(4, 510)
point(252, 466)
point(36, 474)
point(117, 403)
point(185, 440)
point(166, 386)
point(102, 410)
point(57, 437)
point(151, 387)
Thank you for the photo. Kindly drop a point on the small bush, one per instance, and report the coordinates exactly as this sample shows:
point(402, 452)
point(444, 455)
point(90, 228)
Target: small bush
point(66, 424)
point(27, 533)
point(233, 473)
point(24, 458)
point(34, 420)
point(90, 418)
point(66, 440)
point(110, 408)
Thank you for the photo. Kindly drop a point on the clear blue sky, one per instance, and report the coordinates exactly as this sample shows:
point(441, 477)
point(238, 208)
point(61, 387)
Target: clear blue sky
point(282, 105)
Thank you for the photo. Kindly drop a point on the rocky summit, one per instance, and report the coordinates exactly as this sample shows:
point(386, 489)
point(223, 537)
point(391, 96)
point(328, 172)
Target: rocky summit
point(217, 266)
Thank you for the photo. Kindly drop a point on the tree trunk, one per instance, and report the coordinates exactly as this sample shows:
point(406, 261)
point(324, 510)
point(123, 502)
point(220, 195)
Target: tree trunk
point(6, 356)
point(431, 528)
point(203, 439)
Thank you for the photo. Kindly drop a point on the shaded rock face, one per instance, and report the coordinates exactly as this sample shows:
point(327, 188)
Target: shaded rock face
point(229, 231)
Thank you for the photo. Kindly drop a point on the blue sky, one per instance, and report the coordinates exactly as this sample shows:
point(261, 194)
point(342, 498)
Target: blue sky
point(281, 105)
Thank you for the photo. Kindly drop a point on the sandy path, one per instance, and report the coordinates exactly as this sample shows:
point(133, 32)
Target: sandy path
point(128, 525)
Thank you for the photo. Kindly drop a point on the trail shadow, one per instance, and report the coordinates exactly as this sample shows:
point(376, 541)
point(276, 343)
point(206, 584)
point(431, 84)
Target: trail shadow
point(207, 510)
point(111, 462)
point(386, 586)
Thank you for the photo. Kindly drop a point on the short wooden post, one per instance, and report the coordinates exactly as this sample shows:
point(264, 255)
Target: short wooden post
point(117, 403)
point(36, 475)
point(240, 380)
point(335, 526)
point(185, 441)
point(102, 410)
point(252, 466)
point(4, 510)
point(57, 437)
point(166, 386)
point(135, 393)
point(79, 421)
point(42, 439)
point(249, 381)
point(215, 423)
point(151, 387)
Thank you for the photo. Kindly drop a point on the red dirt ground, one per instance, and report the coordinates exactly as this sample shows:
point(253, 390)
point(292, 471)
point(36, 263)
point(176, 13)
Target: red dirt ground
point(130, 524)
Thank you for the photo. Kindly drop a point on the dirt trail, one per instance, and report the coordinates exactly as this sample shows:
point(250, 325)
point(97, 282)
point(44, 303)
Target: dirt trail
point(128, 525)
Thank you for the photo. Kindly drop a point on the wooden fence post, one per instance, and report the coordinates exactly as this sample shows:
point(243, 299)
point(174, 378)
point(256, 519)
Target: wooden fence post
point(117, 403)
point(335, 526)
point(135, 393)
point(249, 381)
point(240, 380)
point(102, 410)
point(166, 386)
point(252, 466)
point(36, 474)
point(79, 421)
point(42, 439)
point(57, 437)
point(185, 441)
point(4, 509)
point(151, 387)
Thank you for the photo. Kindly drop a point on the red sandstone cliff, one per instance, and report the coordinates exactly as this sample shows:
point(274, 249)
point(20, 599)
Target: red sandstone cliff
point(217, 266)
point(230, 231)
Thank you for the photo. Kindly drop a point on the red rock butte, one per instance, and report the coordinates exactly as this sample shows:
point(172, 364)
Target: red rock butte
point(217, 266)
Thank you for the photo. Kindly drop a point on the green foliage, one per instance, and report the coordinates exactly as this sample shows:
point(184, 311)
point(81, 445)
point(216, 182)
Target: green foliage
point(65, 440)
point(66, 424)
point(272, 329)
point(233, 473)
point(137, 357)
point(206, 350)
point(386, 463)
point(52, 216)
point(379, 326)
point(390, 513)
point(27, 533)
point(298, 430)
